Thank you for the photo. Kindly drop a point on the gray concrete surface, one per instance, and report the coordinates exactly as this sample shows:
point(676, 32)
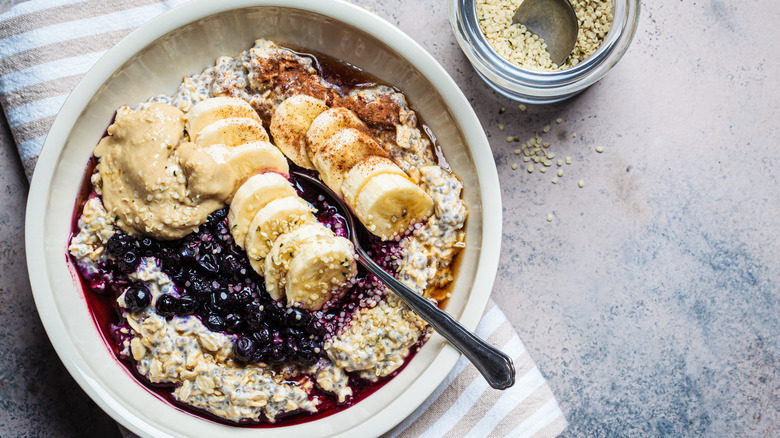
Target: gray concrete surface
point(8, 4)
point(650, 301)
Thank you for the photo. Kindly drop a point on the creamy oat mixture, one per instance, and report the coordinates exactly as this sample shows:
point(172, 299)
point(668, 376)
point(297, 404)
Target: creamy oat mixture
point(520, 46)
point(373, 341)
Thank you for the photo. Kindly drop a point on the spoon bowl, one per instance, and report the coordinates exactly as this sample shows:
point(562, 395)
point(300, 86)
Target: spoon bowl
point(494, 365)
point(554, 21)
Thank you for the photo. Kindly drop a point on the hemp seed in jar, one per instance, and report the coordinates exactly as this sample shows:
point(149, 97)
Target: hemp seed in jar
point(518, 45)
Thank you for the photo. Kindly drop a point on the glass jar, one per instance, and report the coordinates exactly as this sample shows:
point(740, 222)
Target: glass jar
point(541, 86)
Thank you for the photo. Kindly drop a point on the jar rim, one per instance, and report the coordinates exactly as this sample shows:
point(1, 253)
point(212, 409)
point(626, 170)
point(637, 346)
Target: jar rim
point(516, 82)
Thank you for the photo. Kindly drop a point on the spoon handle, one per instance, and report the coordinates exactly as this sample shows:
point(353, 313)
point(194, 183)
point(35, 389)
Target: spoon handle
point(495, 366)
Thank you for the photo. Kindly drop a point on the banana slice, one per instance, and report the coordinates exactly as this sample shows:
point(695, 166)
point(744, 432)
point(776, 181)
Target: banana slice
point(256, 157)
point(318, 270)
point(253, 195)
point(326, 124)
point(210, 110)
point(388, 204)
point(289, 123)
point(231, 132)
point(283, 251)
point(363, 171)
point(220, 153)
point(278, 217)
point(345, 148)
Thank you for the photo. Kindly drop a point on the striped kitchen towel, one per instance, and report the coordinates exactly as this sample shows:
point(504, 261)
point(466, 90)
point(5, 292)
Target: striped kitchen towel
point(46, 46)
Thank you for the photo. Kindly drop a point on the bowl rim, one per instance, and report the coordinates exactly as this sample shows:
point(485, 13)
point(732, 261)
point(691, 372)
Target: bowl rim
point(159, 27)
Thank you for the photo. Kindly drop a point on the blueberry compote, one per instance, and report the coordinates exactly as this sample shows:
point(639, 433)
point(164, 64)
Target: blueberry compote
point(215, 282)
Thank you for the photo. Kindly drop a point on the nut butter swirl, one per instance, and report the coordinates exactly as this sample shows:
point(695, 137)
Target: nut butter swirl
point(153, 183)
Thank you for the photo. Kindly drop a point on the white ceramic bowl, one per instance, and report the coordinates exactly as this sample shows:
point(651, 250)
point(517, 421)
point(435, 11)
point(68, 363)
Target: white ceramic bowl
point(153, 60)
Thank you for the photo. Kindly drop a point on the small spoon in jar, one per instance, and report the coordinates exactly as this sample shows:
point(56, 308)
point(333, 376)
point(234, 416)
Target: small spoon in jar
point(496, 367)
point(554, 21)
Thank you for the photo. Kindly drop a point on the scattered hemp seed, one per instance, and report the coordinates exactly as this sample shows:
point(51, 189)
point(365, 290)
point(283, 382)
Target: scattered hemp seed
point(549, 217)
point(546, 129)
point(516, 138)
point(580, 183)
point(560, 172)
point(500, 126)
point(522, 107)
point(514, 166)
point(518, 151)
point(501, 110)
point(510, 139)
point(560, 163)
point(559, 120)
point(555, 180)
point(543, 169)
point(546, 144)
point(526, 159)
point(599, 149)
point(568, 160)
point(530, 168)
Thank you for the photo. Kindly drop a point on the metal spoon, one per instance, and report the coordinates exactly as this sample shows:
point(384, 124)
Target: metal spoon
point(554, 21)
point(495, 366)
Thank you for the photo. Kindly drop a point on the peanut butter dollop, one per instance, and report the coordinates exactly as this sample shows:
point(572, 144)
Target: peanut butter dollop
point(153, 183)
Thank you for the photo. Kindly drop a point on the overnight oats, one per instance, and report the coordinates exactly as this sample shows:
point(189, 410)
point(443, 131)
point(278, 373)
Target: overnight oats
point(225, 284)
